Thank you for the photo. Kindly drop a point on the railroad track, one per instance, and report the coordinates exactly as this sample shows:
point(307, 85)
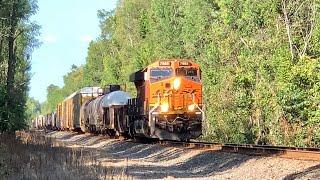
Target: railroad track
point(312, 154)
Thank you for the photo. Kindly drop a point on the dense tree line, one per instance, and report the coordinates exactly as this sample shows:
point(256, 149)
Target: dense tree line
point(260, 61)
point(17, 40)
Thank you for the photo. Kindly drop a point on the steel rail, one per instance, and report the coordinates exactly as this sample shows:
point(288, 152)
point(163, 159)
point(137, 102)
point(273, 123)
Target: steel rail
point(312, 154)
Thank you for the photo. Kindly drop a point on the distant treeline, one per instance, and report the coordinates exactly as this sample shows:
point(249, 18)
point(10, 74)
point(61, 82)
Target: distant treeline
point(17, 41)
point(259, 59)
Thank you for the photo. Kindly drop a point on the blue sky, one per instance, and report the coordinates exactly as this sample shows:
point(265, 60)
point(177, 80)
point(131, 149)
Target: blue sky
point(67, 27)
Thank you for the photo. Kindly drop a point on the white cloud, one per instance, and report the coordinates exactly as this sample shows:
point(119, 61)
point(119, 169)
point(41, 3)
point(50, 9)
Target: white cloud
point(49, 38)
point(86, 38)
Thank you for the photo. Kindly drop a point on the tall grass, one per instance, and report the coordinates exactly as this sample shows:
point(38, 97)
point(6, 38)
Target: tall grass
point(34, 156)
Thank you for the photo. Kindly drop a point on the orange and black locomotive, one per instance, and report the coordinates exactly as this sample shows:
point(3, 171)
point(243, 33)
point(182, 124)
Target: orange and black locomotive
point(169, 101)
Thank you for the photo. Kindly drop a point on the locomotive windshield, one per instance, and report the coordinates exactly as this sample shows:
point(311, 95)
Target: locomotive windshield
point(160, 72)
point(187, 71)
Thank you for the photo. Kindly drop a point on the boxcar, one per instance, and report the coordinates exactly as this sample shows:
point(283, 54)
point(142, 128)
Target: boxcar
point(69, 110)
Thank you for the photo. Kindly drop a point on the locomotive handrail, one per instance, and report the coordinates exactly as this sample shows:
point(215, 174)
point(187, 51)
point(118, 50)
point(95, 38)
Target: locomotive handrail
point(151, 120)
point(202, 112)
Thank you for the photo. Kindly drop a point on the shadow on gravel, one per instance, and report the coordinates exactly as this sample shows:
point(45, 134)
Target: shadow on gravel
point(310, 173)
point(201, 165)
point(142, 161)
point(64, 137)
point(146, 161)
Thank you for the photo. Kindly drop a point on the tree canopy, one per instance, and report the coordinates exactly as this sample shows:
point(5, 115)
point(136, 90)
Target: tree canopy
point(17, 41)
point(259, 59)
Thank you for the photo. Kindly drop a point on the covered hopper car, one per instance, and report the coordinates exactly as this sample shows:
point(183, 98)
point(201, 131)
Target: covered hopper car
point(107, 114)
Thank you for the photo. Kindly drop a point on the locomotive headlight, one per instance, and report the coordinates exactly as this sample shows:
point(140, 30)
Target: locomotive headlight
point(164, 107)
point(191, 107)
point(176, 83)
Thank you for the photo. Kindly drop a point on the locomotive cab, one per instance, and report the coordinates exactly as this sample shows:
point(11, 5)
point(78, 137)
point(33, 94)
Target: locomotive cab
point(169, 100)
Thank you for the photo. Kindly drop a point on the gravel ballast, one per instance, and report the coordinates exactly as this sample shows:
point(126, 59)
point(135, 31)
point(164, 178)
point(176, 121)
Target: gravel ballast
point(153, 161)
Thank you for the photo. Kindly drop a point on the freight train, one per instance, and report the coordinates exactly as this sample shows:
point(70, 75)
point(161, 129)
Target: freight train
point(168, 105)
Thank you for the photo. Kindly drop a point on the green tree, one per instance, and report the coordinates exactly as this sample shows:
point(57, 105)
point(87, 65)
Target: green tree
point(33, 108)
point(17, 40)
point(259, 60)
point(93, 69)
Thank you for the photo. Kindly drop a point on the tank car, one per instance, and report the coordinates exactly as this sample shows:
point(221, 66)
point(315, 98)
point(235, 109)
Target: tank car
point(92, 112)
point(106, 114)
point(169, 101)
point(114, 105)
point(94, 115)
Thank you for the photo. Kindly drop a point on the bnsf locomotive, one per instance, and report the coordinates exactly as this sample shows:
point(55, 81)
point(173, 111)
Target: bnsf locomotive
point(169, 101)
point(168, 105)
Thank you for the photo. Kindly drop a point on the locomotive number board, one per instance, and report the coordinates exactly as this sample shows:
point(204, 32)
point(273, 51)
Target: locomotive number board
point(184, 63)
point(164, 63)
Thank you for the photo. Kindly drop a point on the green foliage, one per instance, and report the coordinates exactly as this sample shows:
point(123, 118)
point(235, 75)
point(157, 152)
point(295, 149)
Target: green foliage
point(93, 70)
point(301, 98)
point(54, 96)
point(33, 108)
point(259, 59)
point(17, 41)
